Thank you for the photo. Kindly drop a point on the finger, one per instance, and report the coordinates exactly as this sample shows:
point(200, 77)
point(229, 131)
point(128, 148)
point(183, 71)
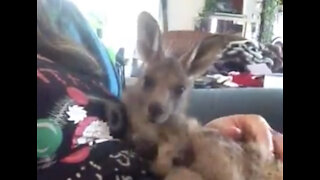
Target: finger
point(226, 127)
point(253, 128)
point(277, 139)
point(224, 123)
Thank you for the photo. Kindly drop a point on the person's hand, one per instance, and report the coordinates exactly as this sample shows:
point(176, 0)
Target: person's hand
point(250, 128)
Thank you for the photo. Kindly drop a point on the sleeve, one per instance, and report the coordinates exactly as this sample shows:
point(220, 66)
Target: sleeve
point(74, 139)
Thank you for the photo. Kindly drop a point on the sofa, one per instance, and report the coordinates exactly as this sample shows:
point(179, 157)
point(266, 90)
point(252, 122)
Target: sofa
point(208, 104)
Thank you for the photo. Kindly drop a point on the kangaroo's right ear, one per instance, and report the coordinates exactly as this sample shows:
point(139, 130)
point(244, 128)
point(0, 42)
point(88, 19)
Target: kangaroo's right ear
point(149, 44)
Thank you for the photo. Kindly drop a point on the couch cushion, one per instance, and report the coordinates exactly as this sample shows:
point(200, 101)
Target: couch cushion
point(208, 104)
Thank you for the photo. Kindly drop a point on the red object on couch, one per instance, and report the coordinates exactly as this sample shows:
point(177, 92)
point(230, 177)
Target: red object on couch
point(247, 80)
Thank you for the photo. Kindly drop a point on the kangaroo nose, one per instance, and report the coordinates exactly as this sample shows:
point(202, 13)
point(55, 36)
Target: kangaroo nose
point(155, 110)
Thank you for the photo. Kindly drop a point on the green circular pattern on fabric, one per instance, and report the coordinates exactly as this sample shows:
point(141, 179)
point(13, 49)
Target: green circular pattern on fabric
point(49, 137)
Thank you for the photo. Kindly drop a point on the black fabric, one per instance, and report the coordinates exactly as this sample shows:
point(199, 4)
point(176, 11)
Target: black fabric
point(91, 122)
point(111, 161)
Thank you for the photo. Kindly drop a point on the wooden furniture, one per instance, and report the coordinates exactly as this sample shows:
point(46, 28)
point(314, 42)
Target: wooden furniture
point(176, 43)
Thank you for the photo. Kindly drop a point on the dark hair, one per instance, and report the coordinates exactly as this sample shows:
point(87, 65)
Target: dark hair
point(60, 49)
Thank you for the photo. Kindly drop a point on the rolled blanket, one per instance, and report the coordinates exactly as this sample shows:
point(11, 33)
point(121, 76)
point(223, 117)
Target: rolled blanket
point(238, 54)
point(250, 51)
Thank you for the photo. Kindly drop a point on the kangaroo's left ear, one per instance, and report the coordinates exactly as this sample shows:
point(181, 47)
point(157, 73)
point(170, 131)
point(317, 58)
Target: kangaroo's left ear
point(198, 60)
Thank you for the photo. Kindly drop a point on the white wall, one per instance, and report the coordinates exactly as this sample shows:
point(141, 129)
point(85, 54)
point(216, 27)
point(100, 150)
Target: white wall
point(182, 13)
point(278, 26)
point(120, 21)
point(250, 8)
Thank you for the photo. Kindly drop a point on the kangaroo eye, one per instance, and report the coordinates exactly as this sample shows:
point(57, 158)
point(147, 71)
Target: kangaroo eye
point(148, 83)
point(178, 90)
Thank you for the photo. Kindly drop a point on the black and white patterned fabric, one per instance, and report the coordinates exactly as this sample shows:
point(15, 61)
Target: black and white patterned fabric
point(250, 51)
point(238, 54)
point(78, 134)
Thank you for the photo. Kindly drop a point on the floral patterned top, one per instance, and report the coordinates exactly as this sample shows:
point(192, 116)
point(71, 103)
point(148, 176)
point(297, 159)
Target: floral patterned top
point(79, 127)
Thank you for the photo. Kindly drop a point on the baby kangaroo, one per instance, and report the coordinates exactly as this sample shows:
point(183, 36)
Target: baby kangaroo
point(176, 145)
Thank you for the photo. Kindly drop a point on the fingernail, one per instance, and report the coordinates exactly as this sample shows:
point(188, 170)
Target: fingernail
point(234, 133)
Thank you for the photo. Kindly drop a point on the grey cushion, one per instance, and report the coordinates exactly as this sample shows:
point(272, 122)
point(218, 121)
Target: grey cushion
point(208, 104)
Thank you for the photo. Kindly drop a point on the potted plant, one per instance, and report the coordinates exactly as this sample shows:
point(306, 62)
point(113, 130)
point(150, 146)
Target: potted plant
point(268, 14)
point(203, 22)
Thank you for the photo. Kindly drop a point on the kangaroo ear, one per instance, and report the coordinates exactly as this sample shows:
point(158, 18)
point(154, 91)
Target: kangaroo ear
point(149, 43)
point(198, 60)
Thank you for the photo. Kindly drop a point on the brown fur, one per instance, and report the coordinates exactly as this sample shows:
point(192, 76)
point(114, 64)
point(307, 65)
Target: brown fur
point(181, 148)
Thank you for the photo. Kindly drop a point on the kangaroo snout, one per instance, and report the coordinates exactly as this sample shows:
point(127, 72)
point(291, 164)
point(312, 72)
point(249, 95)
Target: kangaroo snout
point(155, 110)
